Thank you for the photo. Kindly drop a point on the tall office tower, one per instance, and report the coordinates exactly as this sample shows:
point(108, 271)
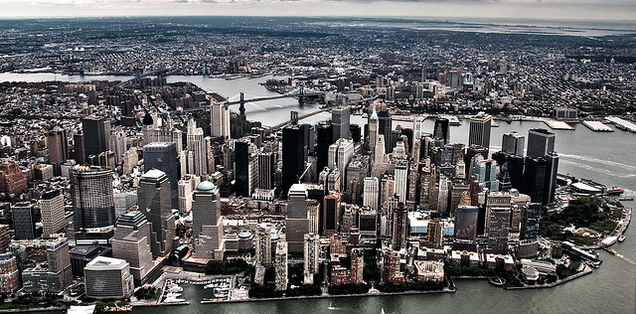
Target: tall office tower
point(330, 214)
point(385, 126)
point(118, 144)
point(263, 246)
point(379, 158)
point(540, 178)
point(391, 267)
point(196, 144)
point(495, 200)
point(387, 190)
point(5, 238)
point(485, 172)
point(9, 274)
point(313, 214)
point(435, 233)
point(357, 266)
point(441, 130)
point(12, 180)
point(293, 156)
point(530, 222)
point(131, 242)
point(23, 221)
point(443, 195)
point(219, 119)
point(266, 170)
point(540, 142)
point(58, 149)
point(340, 154)
point(52, 211)
point(280, 266)
point(108, 278)
point(466, 222)
point(418, 125)
point(59, 262)
point(371, 192)
point(297, 223)
point(401, 179)
point(154, 200)
point(94, 204)
point(96, 135)
point(498, 232)
point(340, 120)
point(207, 223)
point(398, 241)
point(513, 143)
point(373, 128)
point(163, 156)
point(241, 167)
point(324, 139)
point(479, 132)
point(311, 265)
point(187, 185)
point(78, 146)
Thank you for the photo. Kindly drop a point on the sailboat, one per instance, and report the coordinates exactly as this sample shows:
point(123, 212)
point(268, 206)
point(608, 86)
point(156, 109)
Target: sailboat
point(382, 312)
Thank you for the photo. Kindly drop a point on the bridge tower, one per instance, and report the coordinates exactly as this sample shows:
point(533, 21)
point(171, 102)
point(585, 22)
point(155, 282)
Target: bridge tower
point(242, 102)
point(301, 95)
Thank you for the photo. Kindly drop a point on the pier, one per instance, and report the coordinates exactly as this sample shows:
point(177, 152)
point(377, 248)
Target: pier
point(597, 126)
point(623, 124)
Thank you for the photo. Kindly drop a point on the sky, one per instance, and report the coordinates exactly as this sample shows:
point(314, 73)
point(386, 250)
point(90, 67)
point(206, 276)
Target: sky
point(534, 9)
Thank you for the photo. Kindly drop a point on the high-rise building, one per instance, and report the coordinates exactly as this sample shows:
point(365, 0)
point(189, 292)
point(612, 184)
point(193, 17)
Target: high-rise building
point(498, 232)
point(540, 178)
point(371, 192)
point(398, 241)
point(331, 214)
point(154, 200)
point(163, 156)
point(441, 130)
point(52, 211)
point(340, 120)
point(513, 143)
point(58, 148)
point(401, 179)
point(357, 266)
point(5, 238)
point(435, 233)
point(540, 142)
point(297, 222)
point(391, 268)
point(219, 119)
point(311, 265)
point(57, 276)
point(78, 147)
point(12, 180)
point(197, 146)
point(466, 222)
point(530, 222)
point(242, 167)
point(108, 278)
point(385, 126)
point(485, 172)
point(263, 246)
point(293, 156)
point(96, 135)
point(9, 274)
point(324, 139)
point(340, 154)
point(187, 185)
point(23, 221)
point(266, 170)
point(131, 243)
point(207, 223)
point(280, 266)
point(372, 127)
point(118, 144)
point(479, 132)
point(93, 203)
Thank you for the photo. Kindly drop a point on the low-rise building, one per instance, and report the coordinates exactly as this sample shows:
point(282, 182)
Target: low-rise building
point(429, 271)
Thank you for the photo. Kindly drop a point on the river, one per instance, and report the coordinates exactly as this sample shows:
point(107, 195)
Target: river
point(608, 158)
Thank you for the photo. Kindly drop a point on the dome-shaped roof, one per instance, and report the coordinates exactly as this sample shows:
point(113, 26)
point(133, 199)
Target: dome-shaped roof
point(275, 236)
point(374, 114)
point(244, 234)
point(206, 186)
point(147, 119)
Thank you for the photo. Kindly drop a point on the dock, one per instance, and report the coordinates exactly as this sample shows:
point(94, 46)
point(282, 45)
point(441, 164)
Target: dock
point(597, 126)
point(623, 124)
point(557, 125)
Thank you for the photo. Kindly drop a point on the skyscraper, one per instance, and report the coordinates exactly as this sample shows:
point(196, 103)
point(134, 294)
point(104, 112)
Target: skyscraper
point(280, 266)
point(499, 229)
point(154, 200)
point(311, 261)
point(23, 221)
point(297, 223)
point(540, 142)
point(466, 222)
point(324, 139)
point(58, 274)
point(513, 143)
point(331, 214)
point(398, 241)
point(52, 211)
point(485, 171)
point(197, 146)
point(293, 156)
point(401, 179)
point(219, 119)
point(371, 192)
point(94, 204)
point(242, 167)
point(385, 126)
point(540, 178)
point(131, 243)
point(108, 278)
point(340, 120)
point(372, 137)
point(340, 154)
point(266, 170)
point(58, 149)
point(96, 135)
point(12, 180)
point(207, 223)
point(479, 132)
point(163, 156)
point(441, 130)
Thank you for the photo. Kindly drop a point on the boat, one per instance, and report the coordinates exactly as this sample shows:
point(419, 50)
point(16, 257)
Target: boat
point(615, 191)
point(331, 306)
point(382, 312)
point(174, 288)
point(621, 238)
point(117, 309)
point(170, 299)
point(173, 294)
point(612, 251)
point(77, 309)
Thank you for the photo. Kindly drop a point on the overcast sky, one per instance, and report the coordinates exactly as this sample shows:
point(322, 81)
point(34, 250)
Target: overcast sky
point(538, 9)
